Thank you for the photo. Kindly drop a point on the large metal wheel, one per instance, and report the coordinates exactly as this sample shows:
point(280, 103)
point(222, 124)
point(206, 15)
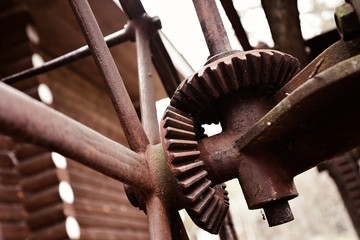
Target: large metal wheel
point(178, 166)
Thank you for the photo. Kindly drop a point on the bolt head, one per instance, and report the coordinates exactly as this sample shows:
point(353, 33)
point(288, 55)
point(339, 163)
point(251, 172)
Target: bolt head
point(156, 22)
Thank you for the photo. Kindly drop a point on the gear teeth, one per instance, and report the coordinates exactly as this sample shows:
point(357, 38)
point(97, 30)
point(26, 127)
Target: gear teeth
point(178, 157)
point(266, 66)
point(257, 68)
point(177, 133)
point(203, 202)
point(183, 144)
point(253, 61)
point(189, 181)
point(176, 114)
point(219, 81)
point(227, 73)
point(182, 169)
point(211, 82)
point(181, 150)
point(194, 193)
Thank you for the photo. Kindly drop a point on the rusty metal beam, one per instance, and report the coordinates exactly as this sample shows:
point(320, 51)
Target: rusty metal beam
point(284, 22)
point(146, 83)
point(30, 121)
point(158, 219)
point(111, 40)
point(303, 118)
point(160, 57)
point(212, 27)
point(133, 130)
point(235, 21)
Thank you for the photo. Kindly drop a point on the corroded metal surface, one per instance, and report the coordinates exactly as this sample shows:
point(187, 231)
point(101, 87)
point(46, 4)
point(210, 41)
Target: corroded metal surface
point(207, 206)
point(284, 23)
point(212, 26)
point(134, 133)
point(68, 137)
point(265, 141)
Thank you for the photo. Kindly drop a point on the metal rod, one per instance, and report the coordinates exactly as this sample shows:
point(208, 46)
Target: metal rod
point(146, 84)
point(284, 22)
point(133, 130)
point(160, 57)
point(212, 26)
point(113, 39)
point(31, 121)
point(158, 219)
point(235, 21)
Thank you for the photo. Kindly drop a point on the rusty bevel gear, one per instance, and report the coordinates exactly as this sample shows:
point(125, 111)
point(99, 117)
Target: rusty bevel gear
point(263, 69)
point(206, 205)
point(191, 106)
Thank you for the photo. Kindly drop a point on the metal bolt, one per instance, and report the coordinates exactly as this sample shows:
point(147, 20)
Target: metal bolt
point(347, 22)
point(156, 22)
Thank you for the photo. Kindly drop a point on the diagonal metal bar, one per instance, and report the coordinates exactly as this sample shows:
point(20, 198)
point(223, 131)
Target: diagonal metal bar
point(28, 120)
point(134, 132)
point(158, 219)
point(235, 21)
point(212, 26)
point(113, 39)
point(160, 57)
point(284, 23)
point(146, 83)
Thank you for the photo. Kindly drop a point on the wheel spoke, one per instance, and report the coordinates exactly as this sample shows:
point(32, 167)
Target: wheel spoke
point(146, 84)
point(212, 27)
point(31, 121)
point(158, 219)
point(113, 39)
point(235, 21)
point(134, 132)
point(284, 22)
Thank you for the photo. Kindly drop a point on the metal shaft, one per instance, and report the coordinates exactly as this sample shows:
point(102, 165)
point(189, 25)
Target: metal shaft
point(133, 130)
point(158, 219)
point(235, 21)
point(113, 39)
point(53, 130)
point(212, 26)
point(146, 84)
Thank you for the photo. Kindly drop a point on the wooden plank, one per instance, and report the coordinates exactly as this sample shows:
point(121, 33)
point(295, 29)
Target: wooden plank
point(7, 160)
point(53, 232)
point(36, 164)
point(90, 206)
point(11, 212)
point(93, 220)
point(86, 191)
point(9, 177)
point(11, 194)
point(44, 179)
point(33, 202)
point(82, 174)
point(14, 231)
point(48, 216)
point(96, 233)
